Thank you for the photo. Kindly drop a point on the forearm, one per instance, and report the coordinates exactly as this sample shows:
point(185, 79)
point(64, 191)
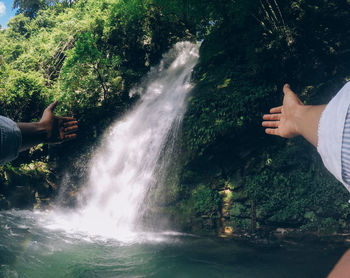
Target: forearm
point(307, 119)
point(32, 134)
point(16, 137)
point(342, 268)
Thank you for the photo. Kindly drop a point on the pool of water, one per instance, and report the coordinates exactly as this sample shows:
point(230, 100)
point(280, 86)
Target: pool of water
point(28, 249)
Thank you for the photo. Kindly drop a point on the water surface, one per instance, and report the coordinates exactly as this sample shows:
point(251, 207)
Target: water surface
point(29, 249)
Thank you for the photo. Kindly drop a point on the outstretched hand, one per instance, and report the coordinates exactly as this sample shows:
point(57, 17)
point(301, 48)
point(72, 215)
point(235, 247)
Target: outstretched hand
point(282, 119)
point(58, 129)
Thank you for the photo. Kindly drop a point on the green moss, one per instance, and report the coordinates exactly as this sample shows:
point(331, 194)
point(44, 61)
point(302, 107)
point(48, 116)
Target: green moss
point(238, 209)
point(204, 200)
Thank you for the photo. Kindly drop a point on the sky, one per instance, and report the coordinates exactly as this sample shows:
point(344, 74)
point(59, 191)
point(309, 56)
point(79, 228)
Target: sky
point(6, 12)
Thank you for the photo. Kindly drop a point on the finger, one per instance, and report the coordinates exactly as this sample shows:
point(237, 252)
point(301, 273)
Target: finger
point(276, 109)
point(52, 106)
point(70, 136)
point(66, 119)
point(270, 124)
point(71, 128)
point(272, 117)
point(272, 131)
point(287, 89)
point(70, 123)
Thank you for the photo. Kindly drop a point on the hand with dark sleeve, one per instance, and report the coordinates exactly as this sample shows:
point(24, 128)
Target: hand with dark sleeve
point(16, 137)
point(50, 129)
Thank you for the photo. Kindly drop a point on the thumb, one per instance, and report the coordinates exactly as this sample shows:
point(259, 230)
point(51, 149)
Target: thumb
point(52, 106)
point(286, 88)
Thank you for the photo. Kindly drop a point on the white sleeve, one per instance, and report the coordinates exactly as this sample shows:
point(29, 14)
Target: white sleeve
point(330, 131)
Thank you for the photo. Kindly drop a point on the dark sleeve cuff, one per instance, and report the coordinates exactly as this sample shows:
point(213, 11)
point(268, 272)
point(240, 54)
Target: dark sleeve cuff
point(10, 140)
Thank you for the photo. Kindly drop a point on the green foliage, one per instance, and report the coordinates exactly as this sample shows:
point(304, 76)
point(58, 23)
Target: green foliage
point(23, 96)
point(293, 188)
point(32, 180)
point(237, 209)
point(30, 7)
point(86, 55)
point(19, 26)
point(221, 109)
point(202, 203)
point(202, 16)
point(205, 201)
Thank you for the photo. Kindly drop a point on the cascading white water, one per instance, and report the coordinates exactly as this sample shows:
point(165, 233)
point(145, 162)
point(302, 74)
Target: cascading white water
point(123, 168)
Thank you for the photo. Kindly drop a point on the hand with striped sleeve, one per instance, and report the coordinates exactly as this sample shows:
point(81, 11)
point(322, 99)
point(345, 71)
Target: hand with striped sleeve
point(293, 118)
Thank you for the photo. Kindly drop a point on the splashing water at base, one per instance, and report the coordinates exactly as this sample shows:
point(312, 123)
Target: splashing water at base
point(123, 169)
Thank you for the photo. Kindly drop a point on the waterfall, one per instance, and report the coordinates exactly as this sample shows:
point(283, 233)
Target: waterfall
point(123, 169)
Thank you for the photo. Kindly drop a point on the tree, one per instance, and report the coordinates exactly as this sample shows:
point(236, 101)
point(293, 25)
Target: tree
point(29, 7)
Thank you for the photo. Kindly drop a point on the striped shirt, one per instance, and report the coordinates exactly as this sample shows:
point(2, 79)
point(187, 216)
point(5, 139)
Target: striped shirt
point(345, 150)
